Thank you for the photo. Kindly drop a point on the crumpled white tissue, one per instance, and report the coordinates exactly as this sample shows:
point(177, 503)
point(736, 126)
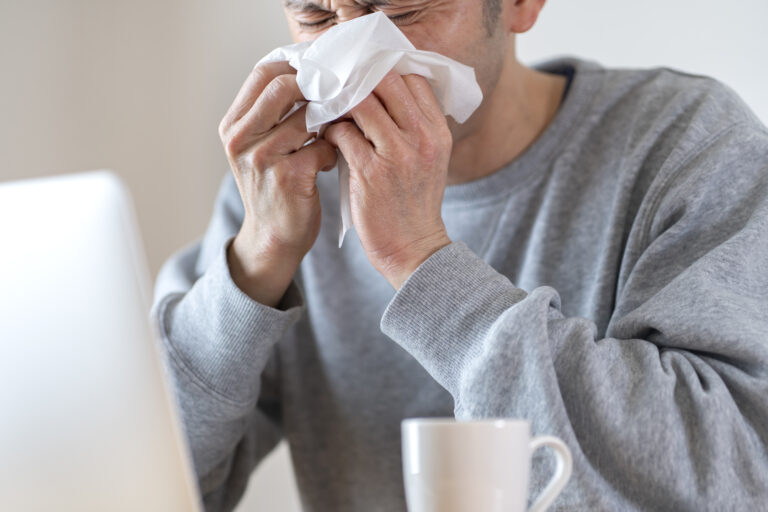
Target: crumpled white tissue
point(342, 67)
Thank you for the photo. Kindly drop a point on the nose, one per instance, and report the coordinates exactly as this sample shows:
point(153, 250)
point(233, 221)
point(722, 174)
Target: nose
point(348, 12)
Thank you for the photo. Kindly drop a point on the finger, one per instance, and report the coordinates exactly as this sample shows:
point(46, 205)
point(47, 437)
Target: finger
point(320, 156)
point(424, 96)
point(296, 174)
point(350, 140)
point(398, 99)
point(253, 86)
point(275, 101)
point(374, 121)
point(290, 135)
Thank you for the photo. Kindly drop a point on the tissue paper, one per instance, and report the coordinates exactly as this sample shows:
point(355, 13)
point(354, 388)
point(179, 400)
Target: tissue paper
point(343, 66)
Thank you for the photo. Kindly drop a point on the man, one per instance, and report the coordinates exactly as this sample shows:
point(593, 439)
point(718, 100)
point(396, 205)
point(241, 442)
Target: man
point(588, 252)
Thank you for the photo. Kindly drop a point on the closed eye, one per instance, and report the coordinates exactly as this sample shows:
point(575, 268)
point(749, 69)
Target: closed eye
point(318, 23)
point(397, 19)
point(402, 19)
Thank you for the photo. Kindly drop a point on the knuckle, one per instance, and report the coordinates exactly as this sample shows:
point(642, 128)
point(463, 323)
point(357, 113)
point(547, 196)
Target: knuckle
point(237, 142)
point(268, 94)
point(223, 128)
point(281, 85)
point(258, 159)
point(259, 73)
point(345, 130)
point(270, 91)
point(434, 141)
point(287, 80)
point(429, 154)
point(339, 131)
point(429, 149)
point(279, 92)
point(232, 144)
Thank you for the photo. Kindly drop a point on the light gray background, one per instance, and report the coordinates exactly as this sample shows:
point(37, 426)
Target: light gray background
point(140, 86)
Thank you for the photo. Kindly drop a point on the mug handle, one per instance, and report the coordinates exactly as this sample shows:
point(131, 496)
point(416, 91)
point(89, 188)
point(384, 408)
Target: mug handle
point(562, 471)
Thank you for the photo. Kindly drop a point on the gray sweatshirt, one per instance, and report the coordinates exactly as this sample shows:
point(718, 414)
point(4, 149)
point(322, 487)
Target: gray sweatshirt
point(610, 285)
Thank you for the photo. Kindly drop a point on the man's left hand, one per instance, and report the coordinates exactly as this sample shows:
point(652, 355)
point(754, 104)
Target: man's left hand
point(398, 149)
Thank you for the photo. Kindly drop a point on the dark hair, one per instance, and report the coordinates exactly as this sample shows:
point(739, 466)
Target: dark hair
point(491, 11)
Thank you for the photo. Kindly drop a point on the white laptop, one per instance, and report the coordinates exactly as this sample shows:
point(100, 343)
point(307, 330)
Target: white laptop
point(87, 422)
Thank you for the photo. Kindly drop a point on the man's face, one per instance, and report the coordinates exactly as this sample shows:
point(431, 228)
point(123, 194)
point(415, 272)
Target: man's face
point(455, 28)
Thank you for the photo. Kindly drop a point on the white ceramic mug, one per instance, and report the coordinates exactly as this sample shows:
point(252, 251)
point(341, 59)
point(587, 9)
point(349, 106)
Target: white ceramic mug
point(472, 466)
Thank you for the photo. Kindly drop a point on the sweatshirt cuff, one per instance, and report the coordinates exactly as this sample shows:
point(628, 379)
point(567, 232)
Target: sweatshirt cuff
point(221, 337)
point(444, 311)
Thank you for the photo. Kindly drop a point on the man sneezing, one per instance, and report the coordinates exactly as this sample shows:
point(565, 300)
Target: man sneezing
point(587, 251)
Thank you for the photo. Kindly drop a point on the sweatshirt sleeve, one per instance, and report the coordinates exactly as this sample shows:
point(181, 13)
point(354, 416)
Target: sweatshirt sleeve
point(219, 345)
point(669, 409)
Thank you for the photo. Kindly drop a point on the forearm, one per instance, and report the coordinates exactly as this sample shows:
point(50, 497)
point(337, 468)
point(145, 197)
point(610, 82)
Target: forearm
point(218, 343)
point(221, 336)
point(647, 423)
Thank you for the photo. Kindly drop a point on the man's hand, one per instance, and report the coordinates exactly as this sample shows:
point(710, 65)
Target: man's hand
point(398, 149)
point(275, 174)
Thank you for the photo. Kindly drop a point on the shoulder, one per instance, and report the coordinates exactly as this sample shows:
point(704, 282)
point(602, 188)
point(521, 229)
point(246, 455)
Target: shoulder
point(665, 117)
point(651, 100)
point(704, 152)
point(672, 112)
point(655, 118)
point(681, 141)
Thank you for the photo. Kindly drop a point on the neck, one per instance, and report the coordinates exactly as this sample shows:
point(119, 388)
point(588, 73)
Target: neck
point(521, 106)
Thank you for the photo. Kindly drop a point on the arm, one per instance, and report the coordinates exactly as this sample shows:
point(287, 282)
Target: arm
point(223, 305)
point(219, 345)
point(669, 409)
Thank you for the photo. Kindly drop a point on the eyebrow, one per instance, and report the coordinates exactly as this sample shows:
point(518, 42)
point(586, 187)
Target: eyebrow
point(310, 6)
point(303, 5)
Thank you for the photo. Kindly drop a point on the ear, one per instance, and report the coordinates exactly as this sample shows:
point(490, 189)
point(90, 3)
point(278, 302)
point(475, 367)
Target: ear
point(520, 15)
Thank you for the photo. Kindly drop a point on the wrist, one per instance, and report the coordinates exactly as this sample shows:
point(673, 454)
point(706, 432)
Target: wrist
point(263, 276)
point(404, 264)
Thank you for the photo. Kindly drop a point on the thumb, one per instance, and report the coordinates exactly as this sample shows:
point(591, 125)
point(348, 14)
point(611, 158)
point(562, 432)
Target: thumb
point(348, 138)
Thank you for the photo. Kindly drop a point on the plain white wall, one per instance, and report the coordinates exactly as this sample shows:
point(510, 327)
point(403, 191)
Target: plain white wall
point(140, 87)
point(727, 40)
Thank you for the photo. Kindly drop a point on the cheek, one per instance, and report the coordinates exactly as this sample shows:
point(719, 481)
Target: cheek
point(487, 56)
point(451, 31)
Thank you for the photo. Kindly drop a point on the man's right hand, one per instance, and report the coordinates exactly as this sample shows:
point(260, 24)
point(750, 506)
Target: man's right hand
point(276, 176)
